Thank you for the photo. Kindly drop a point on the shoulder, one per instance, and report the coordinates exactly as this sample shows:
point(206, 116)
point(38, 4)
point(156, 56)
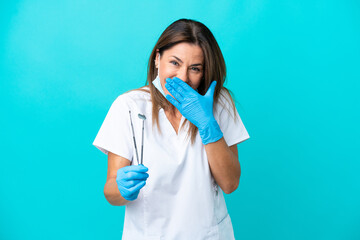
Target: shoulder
point(224, 101)
point(135, 96)
point(134, 99)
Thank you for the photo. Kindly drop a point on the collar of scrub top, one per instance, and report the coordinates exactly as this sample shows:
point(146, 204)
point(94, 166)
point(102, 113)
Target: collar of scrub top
point(141, 116)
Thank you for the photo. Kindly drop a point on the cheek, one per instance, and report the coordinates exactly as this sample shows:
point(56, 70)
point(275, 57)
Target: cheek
point(196, 85)
point(196, 80)
point(166, 71)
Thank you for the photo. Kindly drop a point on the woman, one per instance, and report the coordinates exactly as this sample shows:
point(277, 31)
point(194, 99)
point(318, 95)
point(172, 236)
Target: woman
point(191, 132)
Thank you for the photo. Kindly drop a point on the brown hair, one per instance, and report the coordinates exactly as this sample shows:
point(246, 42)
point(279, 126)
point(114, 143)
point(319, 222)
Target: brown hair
point(194, 32)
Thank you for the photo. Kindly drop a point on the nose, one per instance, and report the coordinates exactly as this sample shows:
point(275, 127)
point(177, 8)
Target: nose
point(183, 75)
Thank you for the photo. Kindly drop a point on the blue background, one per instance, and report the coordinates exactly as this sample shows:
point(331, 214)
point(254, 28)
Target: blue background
point(292, 65)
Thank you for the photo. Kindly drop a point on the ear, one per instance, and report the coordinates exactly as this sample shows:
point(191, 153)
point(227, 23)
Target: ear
point(157, 59)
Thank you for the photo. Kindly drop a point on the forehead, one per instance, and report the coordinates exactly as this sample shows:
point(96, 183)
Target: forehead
point(185, 51)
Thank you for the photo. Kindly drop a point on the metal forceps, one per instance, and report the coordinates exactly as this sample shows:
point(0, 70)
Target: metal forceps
point(141, 116)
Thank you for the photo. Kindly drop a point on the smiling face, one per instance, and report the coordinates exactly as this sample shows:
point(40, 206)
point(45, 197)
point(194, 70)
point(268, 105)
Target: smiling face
point(185, 61)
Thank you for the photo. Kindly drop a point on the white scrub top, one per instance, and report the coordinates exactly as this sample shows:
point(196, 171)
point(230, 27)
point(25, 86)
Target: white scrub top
point(180, 200)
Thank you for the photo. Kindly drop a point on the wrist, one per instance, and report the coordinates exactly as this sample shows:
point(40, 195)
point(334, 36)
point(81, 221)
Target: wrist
point(210, 132)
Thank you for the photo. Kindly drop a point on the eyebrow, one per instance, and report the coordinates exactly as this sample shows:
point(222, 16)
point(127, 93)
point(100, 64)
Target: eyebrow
point(196, 64)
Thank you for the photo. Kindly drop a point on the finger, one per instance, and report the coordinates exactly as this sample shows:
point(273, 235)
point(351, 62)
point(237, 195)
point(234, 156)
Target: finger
point(135, 168)
point(183, 85)
point(133, 196)
point(179, 89)
point(137, 187)
point(136, 176)
point(131, 183)
point(130, 196)
point(174, 92)
point(173, 101)
point(211, 89)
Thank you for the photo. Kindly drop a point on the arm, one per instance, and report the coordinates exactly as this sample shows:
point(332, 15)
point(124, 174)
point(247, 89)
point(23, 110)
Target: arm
point(198, 109)
point(111, 190)
point(224, 164)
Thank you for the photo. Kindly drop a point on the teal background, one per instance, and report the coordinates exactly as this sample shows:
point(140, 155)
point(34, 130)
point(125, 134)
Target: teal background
point(292, 65)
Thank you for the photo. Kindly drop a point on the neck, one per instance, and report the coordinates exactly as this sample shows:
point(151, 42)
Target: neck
point(173, 112)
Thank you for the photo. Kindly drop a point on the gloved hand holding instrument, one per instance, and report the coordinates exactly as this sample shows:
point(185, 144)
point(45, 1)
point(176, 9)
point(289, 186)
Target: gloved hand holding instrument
point(196, 108)
point(131, 179)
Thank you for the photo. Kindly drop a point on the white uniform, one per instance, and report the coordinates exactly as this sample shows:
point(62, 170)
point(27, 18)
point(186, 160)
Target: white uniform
point(180, 200)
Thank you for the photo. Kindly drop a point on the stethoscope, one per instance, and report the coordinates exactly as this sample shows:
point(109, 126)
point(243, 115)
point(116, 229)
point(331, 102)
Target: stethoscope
point(141, 116)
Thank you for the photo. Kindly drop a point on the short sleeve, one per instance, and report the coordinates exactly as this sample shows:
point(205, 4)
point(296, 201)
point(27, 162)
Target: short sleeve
point(232, 128)
point(115, 134)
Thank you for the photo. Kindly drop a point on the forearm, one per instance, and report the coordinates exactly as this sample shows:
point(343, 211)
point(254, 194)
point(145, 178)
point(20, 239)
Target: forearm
point(112, 193)
point(224, 165)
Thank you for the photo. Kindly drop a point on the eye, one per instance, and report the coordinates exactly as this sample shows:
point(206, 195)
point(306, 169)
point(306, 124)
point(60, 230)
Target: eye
point(174, 63)
point(195, 69)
